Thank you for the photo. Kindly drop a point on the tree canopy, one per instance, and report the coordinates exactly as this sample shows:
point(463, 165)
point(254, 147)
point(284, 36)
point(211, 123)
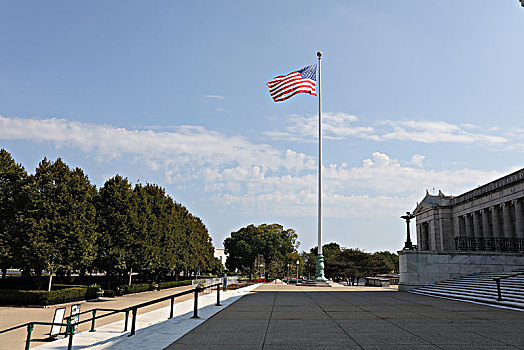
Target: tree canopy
point(349, 264)
point(273, 243)
point(56, 220)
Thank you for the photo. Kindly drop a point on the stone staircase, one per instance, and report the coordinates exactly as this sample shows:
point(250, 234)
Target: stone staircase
point(480, 288)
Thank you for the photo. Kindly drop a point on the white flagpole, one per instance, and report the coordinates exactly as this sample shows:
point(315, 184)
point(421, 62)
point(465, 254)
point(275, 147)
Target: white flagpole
point(319, 273)
point(319, 54)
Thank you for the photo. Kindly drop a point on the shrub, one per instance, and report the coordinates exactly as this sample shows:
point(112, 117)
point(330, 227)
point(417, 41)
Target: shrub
point(109, 293)
point(136, 288)
point(40, 297)
point(163, 285)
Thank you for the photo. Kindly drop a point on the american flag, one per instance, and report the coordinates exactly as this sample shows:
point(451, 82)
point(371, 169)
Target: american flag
point(284, 86)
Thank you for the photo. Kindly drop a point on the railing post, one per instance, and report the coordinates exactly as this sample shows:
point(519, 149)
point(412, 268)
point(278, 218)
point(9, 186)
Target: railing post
point(68, 321)
point(71, 331)
point(93, 321)
point(195, 309)
point(125, 323)
point(499, 293)
point(172, 307)
point(28, 339)
point(133, 323)
point(218, 296)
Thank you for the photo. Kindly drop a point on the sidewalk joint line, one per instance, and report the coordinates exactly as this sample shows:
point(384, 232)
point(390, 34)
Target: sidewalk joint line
point(332, 319)
point(388, 321)
point(269, 322)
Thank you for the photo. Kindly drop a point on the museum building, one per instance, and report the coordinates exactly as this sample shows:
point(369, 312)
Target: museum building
point(488, 218)
point(480, 231)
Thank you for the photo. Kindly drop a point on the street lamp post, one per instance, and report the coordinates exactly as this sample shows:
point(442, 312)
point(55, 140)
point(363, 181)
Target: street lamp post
point(408, 217)
point(288, 265)
point(298, 262)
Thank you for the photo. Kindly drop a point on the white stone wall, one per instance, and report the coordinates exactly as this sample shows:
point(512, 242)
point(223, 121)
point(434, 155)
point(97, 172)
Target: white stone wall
point(420, 268)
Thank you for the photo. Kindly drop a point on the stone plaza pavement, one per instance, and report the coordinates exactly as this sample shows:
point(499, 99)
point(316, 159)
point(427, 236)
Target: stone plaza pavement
point(291, 317)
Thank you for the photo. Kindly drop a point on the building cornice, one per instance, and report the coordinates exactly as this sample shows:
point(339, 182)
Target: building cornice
point(503, 182)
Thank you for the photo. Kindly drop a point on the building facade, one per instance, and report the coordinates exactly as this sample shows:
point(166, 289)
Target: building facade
point(480, 231)
point(489, 218)
point(221, 255)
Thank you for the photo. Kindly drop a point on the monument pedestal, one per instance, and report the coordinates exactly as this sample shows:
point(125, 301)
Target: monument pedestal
point(316, 283)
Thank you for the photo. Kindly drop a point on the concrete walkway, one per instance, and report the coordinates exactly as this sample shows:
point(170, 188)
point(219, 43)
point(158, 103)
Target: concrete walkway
point(290, 317)
point(153, 329)
point(13, 316)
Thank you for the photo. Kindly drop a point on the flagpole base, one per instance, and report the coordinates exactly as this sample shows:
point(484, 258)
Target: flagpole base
point(319, 271)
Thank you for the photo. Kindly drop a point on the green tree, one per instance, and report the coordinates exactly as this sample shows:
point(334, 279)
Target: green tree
point(119, 242)
point(329, 251)
point(13, 180)
point(386, 261)
point(61, 233)
point(350, 264)
point(273, 242)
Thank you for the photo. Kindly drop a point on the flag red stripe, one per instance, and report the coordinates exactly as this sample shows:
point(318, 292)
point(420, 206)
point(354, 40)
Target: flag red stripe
point(297, 83)
point(308, 86)
point(283, 87)
point(283, 78)
point(293, 94)
point(290, 82)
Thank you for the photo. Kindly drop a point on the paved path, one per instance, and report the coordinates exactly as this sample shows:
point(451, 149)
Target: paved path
point(154, 331)
point(13, 316)
point(290, 317)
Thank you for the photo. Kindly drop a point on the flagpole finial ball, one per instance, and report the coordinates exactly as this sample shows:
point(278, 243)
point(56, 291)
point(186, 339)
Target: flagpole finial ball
point(319, 54)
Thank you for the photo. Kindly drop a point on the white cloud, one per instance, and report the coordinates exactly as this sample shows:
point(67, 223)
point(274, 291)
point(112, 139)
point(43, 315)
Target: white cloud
point(437, 131)
point(334, 126)
point(254, 179)
point(340, 126)
point(417, 159)
point(188, 149)
point(215, 97)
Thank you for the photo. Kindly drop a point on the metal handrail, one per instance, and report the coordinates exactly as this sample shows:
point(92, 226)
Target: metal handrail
point(133, 309)
point(497, 280)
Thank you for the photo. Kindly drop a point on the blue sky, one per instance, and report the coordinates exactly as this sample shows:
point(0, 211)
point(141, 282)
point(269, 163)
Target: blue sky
point(416, 95)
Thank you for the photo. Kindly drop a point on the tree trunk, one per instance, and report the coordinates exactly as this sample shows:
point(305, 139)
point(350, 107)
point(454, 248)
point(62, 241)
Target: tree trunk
point(50, 280)
point(82, 275)
point(38, 279)
point(4, 273)
point(108, 276)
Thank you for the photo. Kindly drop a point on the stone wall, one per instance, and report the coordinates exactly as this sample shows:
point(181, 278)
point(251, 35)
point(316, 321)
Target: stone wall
point(420, 268)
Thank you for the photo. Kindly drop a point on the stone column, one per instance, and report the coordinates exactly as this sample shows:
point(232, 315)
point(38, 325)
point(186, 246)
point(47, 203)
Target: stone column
point(506, 220)
point(456, 226)
point(476, 224)
point(486, 230)
point(469, 229)
point(495, 222)
point(519, 219)
point(419, 235)
point(456, 231)
point(425, 236)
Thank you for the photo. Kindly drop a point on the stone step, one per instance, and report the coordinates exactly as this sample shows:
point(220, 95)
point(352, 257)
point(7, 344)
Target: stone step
point(316, 283)
point(508, 287)
point(479, 288)
point(512, 304)
point(473, 292)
